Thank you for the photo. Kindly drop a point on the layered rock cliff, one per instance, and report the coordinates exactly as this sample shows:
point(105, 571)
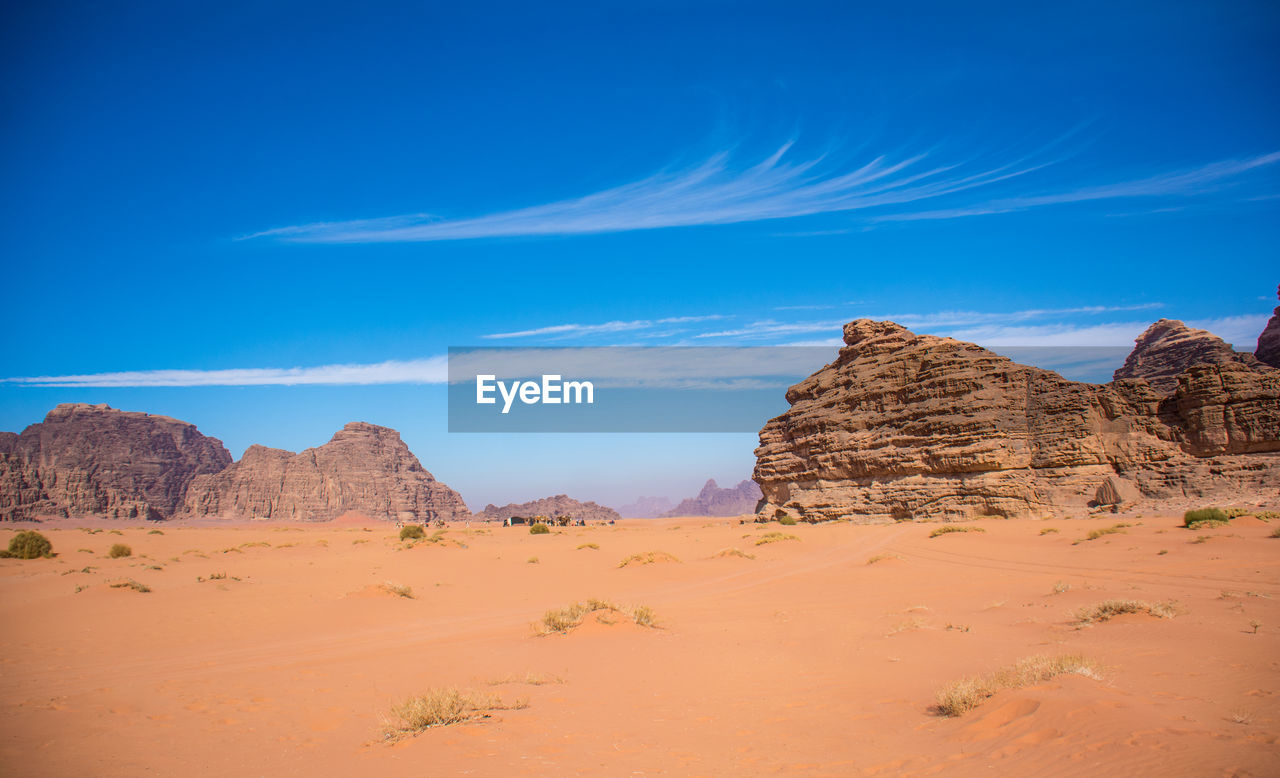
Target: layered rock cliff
point(1169, 347)
point(559, 505)
point(364, 469)
point(714, 501)
point(93, 460)
point(1268, 350)
point(905, 426)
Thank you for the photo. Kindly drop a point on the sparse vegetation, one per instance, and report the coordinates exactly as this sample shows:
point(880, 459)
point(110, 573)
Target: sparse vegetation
point(947, 529)
point(529, 679)
point(1109, 609)
point(533, 560)
point(732, 552)
point(1275, 533)
point(1255, 624)
point(539, 529)
point(960, 697)
point(1061, 587)
point(29, 544)
point(119, 550)
point(440, 708)
point(412, 532)
point(155, 532)
point(561, 620)
point(116, 532)
point(774, 537)
point(1204, 516)
point(129, 583)
point(398, 590)
point(647, 558)
point(786, 521)
point(909, 625)
point(591, 546)
point(1049, 531)
point(882, 558)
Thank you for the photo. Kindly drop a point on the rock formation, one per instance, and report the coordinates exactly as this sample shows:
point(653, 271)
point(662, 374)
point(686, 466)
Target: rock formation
point(365, 469)
point(714, 501)
point(551, 507)
point(646, 508)
point(1268, 350)
point(1169, 347)
point(905, 426)
point(93, 460)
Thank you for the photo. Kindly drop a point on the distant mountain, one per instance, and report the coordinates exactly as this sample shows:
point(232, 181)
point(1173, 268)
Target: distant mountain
point(559, 505)
point(646, 507)
point(714, 501)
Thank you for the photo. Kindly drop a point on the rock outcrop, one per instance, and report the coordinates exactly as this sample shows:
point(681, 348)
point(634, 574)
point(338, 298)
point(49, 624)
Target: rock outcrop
point(551, 507)
point(1268, 350)
point(364, 469)
point(904, 426)
point(93, 460)
point(714, 501)
point(1169, 347)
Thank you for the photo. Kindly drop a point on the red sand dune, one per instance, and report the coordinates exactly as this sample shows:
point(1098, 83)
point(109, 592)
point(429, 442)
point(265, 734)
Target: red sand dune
point(804, 660)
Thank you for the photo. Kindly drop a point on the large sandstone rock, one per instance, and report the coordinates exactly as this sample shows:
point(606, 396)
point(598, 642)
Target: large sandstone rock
point(559, 505)
point(1268, 350)
point(364, 469)
point(93, 460)
point(1169, 347)
point(714, 501)
point(905, 426)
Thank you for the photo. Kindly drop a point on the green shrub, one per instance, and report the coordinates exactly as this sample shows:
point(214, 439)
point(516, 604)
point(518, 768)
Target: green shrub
point(787, 521)
point(30, 544)
point(412, 532)
point(539, 529)
point(1191, 518)
point(119, 550)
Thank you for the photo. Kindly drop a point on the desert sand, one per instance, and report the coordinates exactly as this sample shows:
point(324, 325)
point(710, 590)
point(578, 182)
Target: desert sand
point(806, 659)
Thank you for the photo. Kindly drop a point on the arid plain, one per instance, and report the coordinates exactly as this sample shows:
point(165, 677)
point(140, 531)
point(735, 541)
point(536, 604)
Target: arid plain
point(283, 649)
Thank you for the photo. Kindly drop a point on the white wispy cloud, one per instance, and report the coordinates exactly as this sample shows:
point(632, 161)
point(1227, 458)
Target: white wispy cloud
point(577, 330)
point(433, 370)
point(711, 192)
point(780, 186)
point(1188, 182)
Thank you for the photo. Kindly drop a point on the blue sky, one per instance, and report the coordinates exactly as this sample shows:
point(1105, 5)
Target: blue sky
point(255, 193)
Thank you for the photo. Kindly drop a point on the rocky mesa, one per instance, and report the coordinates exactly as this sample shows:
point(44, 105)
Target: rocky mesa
point(715, 501)
point(904, 426)
point(93, 460)
point(559, 505)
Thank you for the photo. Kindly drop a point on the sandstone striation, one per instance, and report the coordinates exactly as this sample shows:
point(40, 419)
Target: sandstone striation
point(905, 426)
point(1268, 350)
point(364, 469)
point(551, 507)
point(93, 460)
point(1169, 347)
point(714, 501)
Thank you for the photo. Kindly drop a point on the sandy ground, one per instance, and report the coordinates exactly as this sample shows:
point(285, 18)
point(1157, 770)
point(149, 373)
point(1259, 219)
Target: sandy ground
point(804, 660)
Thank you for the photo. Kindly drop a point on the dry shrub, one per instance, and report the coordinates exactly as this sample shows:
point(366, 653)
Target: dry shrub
point(29, 544)
point(774, 537)
point(947, 529)
point(129, 583)
point(591, 546)
point(1109, 609)
point(728, 552)
point(962, 696)
point(398, 590)
point(561, 620)
point(647, 558)
point(440, 708)
point(882, 558)
point(1114, 529)
point(119, 550)
point(1049, 531)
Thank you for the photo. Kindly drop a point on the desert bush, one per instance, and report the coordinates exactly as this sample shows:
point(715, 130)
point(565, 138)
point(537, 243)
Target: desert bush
point(129, 583)
point(1114, 529)
point(882, 558)
point(947, 529)
point(1109, 609)
point(727, 552)
point(647, 558)
point(962, 696)
point(29, 544)
point(412, 532)
point(155, 532)
point(533, 560)
point(1275, 533)
point(774, 537)
point(786, 521)
point(1049, 531)
point(398, 590)
point(119, 550)
point(562, 620)
point(592, 546)
point(116, 532)
point(539, 529)
point(442, 707)
point(1201, 515)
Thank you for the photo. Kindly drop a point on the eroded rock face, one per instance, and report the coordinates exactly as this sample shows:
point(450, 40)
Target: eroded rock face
point(1169, 347)
point(714, 501)
point(93, 460)
point(1268, 350)
point(905, 426)
point(559, 505)
point(365, 469)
